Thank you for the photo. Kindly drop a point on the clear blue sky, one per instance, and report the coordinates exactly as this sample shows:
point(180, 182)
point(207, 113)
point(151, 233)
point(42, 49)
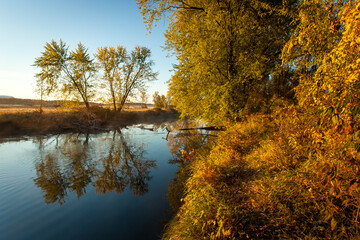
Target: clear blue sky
point(26, 25)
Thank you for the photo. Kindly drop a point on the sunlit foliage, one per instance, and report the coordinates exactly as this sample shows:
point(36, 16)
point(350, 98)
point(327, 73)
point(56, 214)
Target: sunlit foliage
point(292, 173)
point(67, 72)
point(161, 101)
point(72, 74)
point(123, 73)
point(227, 52)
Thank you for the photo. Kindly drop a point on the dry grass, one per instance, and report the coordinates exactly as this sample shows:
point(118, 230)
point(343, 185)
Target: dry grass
point(16, 110)
point(16, 122)
point(273, 177)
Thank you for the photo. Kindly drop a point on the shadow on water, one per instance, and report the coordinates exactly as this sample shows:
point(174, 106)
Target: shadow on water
point(119, 177)
point(76, 161)
point(186, 143)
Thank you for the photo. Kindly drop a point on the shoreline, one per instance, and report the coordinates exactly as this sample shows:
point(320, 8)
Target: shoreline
point(97, 119)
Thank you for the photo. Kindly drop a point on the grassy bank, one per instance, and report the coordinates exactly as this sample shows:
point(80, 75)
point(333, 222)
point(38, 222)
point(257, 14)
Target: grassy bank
point(58, 121)
point(279, 176)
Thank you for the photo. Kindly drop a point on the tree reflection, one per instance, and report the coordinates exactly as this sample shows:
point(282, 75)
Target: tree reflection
point(185, 146)
point(125, 165)
point(75, 161)
point(51, 181)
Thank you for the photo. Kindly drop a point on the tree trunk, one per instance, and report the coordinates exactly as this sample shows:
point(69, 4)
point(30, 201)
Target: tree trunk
point(87, 105)
point(113, 95)
point(41, 98)
point(114, 103)
point(120, 107)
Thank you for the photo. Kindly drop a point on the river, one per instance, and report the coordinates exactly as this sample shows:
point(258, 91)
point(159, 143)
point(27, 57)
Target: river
point(86, 186)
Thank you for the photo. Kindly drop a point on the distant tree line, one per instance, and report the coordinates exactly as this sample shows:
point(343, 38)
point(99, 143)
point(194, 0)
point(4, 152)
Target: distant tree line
point(113, 73)
point(161, 101)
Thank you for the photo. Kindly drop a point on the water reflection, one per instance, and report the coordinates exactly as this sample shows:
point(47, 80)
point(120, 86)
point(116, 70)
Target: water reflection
point(185, 146)
point(70, 163)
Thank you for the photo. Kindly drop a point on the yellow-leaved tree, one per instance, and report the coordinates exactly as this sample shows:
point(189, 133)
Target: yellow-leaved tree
point(227, 51)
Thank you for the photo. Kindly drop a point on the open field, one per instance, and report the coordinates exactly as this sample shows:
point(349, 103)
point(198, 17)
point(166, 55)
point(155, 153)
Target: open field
point(18, 118)
point(17, 105)
point(14, 110)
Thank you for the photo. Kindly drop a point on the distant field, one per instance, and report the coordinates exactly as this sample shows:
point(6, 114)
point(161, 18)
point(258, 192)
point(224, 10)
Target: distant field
point(18, 105)
point(13, 110)
point(25, 103)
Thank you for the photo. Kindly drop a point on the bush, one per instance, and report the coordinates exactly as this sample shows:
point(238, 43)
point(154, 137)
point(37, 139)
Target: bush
point(278, 176)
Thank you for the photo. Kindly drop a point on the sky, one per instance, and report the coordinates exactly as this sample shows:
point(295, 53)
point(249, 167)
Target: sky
point(26, 26)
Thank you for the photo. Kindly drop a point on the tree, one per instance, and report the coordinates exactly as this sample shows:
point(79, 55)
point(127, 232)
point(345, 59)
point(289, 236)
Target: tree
point(109, 59)
point(227, 51)
point(161, 101)
point(316, 34)
point(42, 88)
point(326, 58)
point(157, 100)
point(125, 72)
point(67, 72)
point(143, 98)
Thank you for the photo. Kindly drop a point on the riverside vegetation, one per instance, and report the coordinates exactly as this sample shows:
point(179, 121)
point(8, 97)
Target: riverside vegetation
point(283, 77)
point(26, 119)
point(74, 77)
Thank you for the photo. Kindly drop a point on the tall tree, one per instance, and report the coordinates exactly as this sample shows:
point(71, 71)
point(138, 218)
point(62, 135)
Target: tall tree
point(161, 101)
point(136, 70)
point(43, 86)
point(316, 34)
point(227, 51)
point(67, 72)
point(143, 98)
point(109, 59)
point(324, 51)
point(125, 72)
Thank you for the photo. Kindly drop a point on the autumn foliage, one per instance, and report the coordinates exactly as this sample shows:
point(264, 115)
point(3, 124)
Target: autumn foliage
point(285, 79)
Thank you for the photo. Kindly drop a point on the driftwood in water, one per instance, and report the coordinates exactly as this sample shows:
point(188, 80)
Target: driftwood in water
point(144, 128)
point(213, 128)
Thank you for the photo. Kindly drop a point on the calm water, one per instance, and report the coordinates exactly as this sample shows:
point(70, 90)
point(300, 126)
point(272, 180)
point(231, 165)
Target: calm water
point(97, 186)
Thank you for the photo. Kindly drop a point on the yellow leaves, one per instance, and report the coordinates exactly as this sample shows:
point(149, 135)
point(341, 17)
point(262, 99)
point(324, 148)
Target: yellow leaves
point(333, 224)
point(292, 141)
point(353, 187)
point(338, 69)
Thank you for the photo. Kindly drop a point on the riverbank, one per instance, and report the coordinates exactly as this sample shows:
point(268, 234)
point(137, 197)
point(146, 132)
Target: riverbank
point(278, 176)
point(16, 124)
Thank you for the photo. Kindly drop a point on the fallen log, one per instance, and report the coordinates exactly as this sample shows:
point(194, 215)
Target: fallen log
point(212, 128)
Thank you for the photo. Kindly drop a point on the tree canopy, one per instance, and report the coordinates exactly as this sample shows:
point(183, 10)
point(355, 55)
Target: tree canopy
point(228, 53)
point(299, 162)
point(123, 72)
point(67, 72)
point(73, 73)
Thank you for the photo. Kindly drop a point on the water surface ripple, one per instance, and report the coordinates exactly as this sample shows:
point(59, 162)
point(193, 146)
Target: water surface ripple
point(85, 186)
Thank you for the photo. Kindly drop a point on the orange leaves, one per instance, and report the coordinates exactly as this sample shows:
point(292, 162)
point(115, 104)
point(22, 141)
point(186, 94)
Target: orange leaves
point(354, 186)
point(339, 70)
point(187, 156)
point(335, 189)
point(209, 175)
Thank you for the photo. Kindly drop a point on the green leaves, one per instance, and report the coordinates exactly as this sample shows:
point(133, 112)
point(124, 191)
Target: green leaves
point(124, 73)
point(161, 101)
point(226, 50)
point(66, 72)
point(73, 72)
